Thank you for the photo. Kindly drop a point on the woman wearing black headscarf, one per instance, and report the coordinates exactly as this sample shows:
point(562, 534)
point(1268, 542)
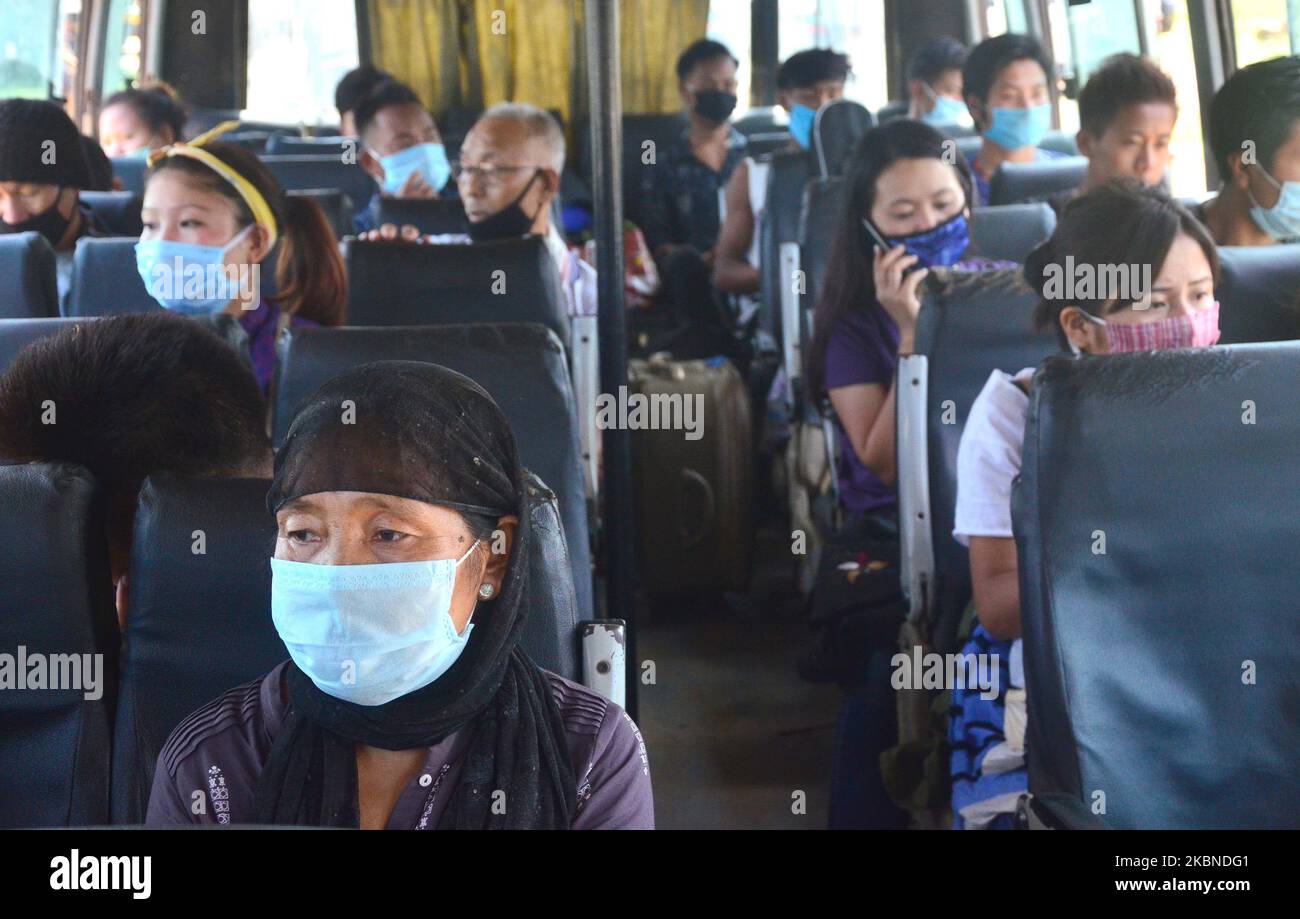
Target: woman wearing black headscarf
point(400, 584)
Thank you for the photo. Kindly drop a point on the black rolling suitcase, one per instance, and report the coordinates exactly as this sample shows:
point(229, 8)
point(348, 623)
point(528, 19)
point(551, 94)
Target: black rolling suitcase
point(693, 495)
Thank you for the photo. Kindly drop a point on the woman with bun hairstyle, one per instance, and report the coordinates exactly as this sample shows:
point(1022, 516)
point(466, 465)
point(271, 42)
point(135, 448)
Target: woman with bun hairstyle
point(212, 215)
point(1120, 223)
point(135, 121)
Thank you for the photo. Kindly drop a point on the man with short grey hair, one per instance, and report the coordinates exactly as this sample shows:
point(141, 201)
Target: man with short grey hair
point(508, 176)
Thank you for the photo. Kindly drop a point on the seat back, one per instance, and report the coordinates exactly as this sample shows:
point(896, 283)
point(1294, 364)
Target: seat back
point(892, 110)
point(1157, 567)
point(338, 207)
point(660, 130)
point(199, 621)
point(130, 171)
point(971, 323)
point(435, 216)
point(31, 287)
point(1259, 292)
point(105, 281)
point(17, 334)
point(118, 211)
point(513, 280)
point(522, 366)
point(290, 145)
point(1060, 142)
point(837, 128)
point(1016, 183)
point(56, 601)
point(819, 221)
point(787, 173)
point(1011, 231)
point(301, 172)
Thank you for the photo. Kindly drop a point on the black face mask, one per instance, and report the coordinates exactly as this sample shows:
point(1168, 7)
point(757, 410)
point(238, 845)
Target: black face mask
point(49, 223)
point(508, 223)
point(714, 105)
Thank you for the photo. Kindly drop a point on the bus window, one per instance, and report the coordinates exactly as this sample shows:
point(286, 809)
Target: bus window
point(38, 48)
point(1005, 16)
point(1261, 30)
point(1096, 30)
point(298, 50)
point(729, 23)
point(123, 45)
point(855, 27)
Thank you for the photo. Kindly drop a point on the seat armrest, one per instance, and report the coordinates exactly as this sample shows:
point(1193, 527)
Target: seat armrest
point(604, 658)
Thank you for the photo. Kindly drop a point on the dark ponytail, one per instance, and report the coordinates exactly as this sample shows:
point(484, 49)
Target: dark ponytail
point(310, 276)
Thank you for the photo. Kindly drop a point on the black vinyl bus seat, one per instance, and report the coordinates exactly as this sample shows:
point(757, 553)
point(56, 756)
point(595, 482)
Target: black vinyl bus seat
point(1259, 293)
point(1011, 231)
point(31, 286)
point(338, 208)
point(787, 173)
point(105, 281)
point(199, 621)
point(434, 216)
point(642, 135)
point(513, 280)
point(295, 173)
point(837, 128)
point(1020, 183)
point(130, 171)
point(521, 365)
point(970, 324)
point(17, 334)
point(118, 211)
point(1161, 665)
point(56, 598)
point(292, 145)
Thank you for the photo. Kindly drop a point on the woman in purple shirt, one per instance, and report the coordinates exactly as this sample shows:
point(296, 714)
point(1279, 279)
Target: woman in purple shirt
point(908, 211)
point(906, 188)
point(399, 587)
point(212, 215)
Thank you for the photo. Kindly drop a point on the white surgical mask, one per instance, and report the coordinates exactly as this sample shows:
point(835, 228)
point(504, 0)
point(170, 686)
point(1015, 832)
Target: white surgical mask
point(368, 634)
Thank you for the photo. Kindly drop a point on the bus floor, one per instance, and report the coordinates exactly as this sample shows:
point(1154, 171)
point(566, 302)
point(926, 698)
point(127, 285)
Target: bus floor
point(733, 734)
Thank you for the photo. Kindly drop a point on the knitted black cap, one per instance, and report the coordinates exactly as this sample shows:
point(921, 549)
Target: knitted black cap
point(40, 144)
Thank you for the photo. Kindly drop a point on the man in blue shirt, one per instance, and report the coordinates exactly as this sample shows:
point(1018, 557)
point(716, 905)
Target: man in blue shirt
point(1006, 84)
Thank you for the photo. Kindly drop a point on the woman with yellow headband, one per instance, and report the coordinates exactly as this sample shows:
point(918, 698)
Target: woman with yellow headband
point(212, 215)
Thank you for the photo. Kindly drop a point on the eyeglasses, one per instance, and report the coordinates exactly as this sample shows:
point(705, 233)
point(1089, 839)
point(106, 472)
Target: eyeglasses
point(492, 175)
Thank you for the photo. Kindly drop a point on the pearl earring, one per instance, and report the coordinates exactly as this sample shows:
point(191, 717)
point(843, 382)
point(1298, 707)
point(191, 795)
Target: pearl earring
point(486, 591)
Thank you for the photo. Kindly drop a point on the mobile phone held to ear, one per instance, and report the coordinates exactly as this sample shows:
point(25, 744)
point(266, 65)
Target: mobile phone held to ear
point(884, 245)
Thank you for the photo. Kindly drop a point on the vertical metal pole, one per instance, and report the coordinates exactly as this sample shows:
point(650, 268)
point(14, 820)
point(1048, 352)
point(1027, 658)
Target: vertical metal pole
point(606, 95)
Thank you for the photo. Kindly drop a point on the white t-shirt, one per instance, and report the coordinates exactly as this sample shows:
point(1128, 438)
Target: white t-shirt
point(988, 459)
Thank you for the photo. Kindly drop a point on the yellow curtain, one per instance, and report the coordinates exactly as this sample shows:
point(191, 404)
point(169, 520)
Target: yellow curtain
point(652, 33)
point(418, 41)
point(476, 53)
point(522, 51)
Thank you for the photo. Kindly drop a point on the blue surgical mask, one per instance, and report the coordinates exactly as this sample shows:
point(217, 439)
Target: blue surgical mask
point(946, 111)
point(1282, 220)
point(368, 634)
point(801, 125)
point(430, 160)
point(1017, 128)
point(189, 279)
point(940, 247)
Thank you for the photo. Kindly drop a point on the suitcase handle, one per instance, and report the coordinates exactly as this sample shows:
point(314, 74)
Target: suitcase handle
point(692, 539)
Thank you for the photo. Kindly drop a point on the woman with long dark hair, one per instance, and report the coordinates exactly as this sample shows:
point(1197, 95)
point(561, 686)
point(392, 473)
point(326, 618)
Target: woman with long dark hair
point(908, 185)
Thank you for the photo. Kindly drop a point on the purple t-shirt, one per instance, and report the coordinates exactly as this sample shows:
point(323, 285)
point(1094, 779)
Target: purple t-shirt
point(261, 325)
point(220, 750)
point(863, 349)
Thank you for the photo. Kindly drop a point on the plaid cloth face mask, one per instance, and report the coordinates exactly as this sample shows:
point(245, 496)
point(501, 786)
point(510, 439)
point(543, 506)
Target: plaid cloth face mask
point(1193, 330)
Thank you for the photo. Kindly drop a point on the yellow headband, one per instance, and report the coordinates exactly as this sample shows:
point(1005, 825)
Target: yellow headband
point(261, 211)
